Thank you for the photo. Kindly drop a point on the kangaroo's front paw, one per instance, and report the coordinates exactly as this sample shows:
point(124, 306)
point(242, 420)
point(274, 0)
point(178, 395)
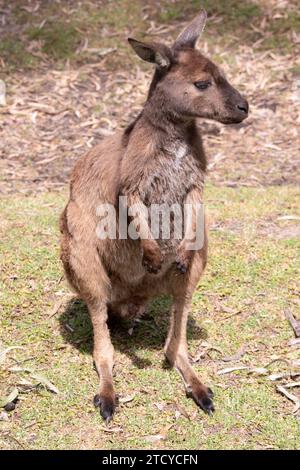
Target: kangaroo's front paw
point(107, 405)
point(152, 257)
point(183, 259)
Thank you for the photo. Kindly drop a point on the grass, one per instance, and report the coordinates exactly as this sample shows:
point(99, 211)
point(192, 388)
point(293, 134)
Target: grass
point(280, 31)
point(251, 278)
point(13, 52)
point(52, 36)
point(59, 40)
point(234, 12)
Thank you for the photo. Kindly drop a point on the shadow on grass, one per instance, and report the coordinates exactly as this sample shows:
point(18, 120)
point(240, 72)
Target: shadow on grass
point(148, 334)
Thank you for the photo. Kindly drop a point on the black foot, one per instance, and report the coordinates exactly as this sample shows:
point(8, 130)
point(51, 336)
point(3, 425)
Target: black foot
point(107, 407)
point(203, 399)
point(10, 406)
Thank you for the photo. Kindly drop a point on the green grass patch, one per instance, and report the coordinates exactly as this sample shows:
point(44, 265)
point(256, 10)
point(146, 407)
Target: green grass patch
point(60, 40)
point(14, 54)
point(234, 12)
point(250, 279)
point(280, 30)
point(59, 32)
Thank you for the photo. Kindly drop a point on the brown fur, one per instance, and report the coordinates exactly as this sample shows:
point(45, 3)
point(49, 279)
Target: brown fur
point(159, 158)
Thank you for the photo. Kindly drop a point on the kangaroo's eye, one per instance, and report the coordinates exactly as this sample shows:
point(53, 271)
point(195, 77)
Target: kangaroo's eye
point(203, 85)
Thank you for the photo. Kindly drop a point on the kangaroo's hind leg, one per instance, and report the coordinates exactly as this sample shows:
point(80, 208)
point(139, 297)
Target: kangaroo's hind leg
point(103, 354)
point(176, 348)
point(87, 275)
point(176, 351)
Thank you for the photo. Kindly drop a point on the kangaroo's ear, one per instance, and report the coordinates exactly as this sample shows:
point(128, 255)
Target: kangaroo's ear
point(189, 36)
point(155, 53)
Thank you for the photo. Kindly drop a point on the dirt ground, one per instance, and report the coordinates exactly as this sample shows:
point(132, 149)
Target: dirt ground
point(56, 110)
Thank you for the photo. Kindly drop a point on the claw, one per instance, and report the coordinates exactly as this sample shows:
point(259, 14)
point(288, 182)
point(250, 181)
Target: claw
point(182, 268)
point(107, 407)
point(203, 400)
point(206, 404)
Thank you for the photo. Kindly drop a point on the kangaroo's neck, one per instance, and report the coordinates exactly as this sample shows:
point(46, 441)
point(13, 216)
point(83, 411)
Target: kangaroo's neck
point(159, 115)
point(158, 127)
point(162, 119)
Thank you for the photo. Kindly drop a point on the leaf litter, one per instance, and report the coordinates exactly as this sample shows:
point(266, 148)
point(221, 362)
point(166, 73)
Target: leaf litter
point(23, 385)
point(41, 379)
point(54, 116)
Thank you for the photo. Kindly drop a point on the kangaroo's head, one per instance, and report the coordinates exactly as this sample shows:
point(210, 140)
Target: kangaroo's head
point(188, 84)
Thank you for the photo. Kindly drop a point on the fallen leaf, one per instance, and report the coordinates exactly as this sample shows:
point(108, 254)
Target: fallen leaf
point(44, 381)
point(2, 93)
point(127, 398)
point(232, 369)
point(289, 217)
point(182, 411)
point(160, 406)
point(295, 324)
point(291, 397)
point(292, 384)
point(282, 375)
point(235, 357)
point(113, 429)
point(39, 377)
point(259, 371)
point(56, 307)
point(4, 416)
point(161, 436)
point(204, 349)
point(4, 352)
point(294, 342)
point(278, 359)
point(10, 398)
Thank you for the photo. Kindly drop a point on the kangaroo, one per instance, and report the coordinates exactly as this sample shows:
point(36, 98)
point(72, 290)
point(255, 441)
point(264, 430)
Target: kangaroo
point(158, 159)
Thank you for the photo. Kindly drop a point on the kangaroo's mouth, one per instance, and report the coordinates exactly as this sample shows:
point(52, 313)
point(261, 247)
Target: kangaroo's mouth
point(232, 120)
point(232, 115)
point(236, 117)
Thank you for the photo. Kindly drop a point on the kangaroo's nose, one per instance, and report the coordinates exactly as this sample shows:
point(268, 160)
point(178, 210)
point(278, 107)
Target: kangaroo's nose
point(243, 106)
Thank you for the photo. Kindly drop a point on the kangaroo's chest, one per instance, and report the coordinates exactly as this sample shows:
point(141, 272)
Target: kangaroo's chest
point(174, 174)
